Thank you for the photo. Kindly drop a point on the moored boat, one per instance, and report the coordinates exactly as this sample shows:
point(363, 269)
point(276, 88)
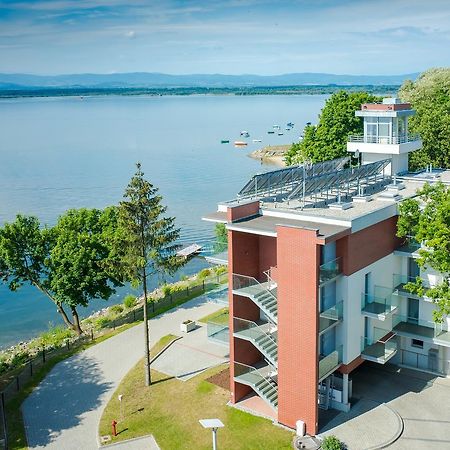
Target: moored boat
point(240, 143)
point(225, 141)
point(257, 140)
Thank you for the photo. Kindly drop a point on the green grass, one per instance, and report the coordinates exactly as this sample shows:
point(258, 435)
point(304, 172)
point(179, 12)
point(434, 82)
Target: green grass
point(16, 430)
point(221, 317)
point(170, 410)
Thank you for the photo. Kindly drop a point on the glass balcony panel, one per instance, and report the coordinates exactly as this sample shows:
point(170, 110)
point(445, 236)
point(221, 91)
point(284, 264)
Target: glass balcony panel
point(331, 316)
point(250, 286)
point(410, 248)
point(330, 270)
point(422, 328)
point(328, 364)
point(215, 252)
point(381, 303)
point(218, 329)
point(379, 350)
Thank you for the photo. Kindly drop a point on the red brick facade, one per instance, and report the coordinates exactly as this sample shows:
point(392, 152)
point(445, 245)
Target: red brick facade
point(298, 259)
point(364, 247)
point(241, 211)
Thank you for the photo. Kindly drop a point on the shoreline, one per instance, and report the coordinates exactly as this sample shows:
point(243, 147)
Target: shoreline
point(271, 154)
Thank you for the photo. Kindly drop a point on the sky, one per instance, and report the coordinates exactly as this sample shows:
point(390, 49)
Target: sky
point(263, 37)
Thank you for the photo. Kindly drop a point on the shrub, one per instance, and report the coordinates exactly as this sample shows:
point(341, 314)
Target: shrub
point(116, 309)
point(103, 322)
point(204, 273)
point(219, 270)
point(166, 290)
point(129, 301)
point(184, 277)
point(55, 337)
point(332, 443)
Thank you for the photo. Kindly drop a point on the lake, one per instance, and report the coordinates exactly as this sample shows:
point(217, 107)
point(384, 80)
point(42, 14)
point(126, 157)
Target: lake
point(68, 152)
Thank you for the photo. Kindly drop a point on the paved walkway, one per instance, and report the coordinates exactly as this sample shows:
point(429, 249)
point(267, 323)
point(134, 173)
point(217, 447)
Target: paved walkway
point(64, 411)
point(398, 409)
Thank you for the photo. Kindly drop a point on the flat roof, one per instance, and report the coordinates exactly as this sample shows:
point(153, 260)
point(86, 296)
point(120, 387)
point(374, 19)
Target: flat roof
point(218, 216)
point(266, 225)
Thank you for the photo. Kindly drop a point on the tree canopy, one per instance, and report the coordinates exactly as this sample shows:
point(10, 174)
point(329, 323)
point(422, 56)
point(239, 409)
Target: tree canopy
point(426, 220)
point(149, 241)
point(328, 139)
point(429, 95)
point(71, 263)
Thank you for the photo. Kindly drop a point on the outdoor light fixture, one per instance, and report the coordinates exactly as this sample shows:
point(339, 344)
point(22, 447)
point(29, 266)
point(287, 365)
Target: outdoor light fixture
point(214, 424)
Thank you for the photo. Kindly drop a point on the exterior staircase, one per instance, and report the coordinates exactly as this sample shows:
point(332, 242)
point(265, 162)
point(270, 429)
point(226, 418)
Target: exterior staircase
point(264, 294)
point(259, 380)
point(262, 336)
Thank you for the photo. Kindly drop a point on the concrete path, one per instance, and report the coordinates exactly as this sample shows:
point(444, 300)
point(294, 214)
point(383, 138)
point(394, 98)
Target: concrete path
point(143, 443)
point(191, 355)
point(64, 411)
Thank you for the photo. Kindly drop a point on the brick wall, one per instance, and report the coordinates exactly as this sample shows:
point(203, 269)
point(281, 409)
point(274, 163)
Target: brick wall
point(364, 247)
point(298, 261)
point(239, 212)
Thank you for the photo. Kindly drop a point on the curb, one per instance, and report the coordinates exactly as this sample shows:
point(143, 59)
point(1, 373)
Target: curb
point(399, 432)
point(165, 348)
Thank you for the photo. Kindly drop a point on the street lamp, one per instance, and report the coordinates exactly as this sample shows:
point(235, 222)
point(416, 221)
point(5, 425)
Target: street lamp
point(214, 424)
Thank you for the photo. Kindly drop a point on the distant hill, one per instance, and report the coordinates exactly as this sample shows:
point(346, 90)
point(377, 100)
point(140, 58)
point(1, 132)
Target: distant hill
point(161, 80)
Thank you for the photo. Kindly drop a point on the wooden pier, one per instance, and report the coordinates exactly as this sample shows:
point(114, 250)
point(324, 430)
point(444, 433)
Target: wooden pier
point(189, 251)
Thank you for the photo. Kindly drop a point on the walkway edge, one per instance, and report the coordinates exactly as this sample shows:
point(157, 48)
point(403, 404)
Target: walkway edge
point(122, 443)
point(399, 432)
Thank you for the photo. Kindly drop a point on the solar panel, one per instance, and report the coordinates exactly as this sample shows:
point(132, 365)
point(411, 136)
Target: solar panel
point(286, 180)
point(338, 179)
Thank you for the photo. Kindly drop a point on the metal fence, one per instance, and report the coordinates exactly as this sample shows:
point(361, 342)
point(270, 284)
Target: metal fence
point(19, 377)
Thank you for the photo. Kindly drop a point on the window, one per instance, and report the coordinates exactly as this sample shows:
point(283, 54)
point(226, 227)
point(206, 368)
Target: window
point(416, 343)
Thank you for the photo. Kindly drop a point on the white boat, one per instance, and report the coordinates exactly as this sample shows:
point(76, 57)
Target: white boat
point(257, 140)
point(240, 143)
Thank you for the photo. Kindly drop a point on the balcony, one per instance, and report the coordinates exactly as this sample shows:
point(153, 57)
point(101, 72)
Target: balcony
point(410, 249)
point(328, 364)
point(218, 329)
point(422, 329)
point(330, 317)
point(395, 140)
point(379, 305)
point(263, 294)
point(400, 282)
point(260, 379)
point(330, 270)
point(381, 350)
point(262, 336)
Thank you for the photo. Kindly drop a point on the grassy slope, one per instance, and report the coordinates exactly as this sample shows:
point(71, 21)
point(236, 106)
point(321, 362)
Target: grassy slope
point(170, 410)
point(220, 317)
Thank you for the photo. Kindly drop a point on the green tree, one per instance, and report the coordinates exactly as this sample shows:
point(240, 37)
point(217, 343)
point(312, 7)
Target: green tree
point(68, 263)
point(83, 258)
point(150, 243)
point(429, 95)
point(221, 243)
point(328, 139)
point(426, 219)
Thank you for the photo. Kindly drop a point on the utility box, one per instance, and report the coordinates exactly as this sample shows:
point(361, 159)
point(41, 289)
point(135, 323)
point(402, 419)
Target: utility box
point(301, 428)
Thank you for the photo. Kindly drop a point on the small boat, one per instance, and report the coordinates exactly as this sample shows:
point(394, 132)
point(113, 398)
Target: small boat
point(257, 140)
point(308, 123)
point(280, 134)
point(224, 141)
point(271, 132)
point(245, 133)
point(288, 129)
point(240, 143)
point(290, 124)
point(276, 127)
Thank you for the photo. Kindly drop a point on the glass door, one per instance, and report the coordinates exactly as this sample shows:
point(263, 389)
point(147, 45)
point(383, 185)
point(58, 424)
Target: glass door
point(413, 310)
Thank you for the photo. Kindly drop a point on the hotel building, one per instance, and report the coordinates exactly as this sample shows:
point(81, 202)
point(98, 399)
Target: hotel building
point(317, 274)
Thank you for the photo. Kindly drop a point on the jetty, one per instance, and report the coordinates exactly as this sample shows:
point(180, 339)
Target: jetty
point(189, 251)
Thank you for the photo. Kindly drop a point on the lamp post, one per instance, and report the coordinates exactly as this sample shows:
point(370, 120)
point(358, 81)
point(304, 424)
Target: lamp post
point(213, 424)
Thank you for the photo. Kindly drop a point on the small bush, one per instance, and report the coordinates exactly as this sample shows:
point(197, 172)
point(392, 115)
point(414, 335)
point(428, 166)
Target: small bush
point(204, 273)
point(129, 301)
point(184, 277)
point(166, 290)
point(219, 270)
point(332, 443)
point(116, 309)
point(102, 322)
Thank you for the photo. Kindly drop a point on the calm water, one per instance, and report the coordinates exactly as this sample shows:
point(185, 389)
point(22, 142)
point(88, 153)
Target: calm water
point(61, 153)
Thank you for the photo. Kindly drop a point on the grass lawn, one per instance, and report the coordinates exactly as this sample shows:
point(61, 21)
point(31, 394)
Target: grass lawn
point(170, 410)
point(221, 317)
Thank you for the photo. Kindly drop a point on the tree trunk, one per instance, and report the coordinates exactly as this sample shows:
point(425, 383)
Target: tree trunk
point(76, 321)
point(59, 307)
point(148, 376)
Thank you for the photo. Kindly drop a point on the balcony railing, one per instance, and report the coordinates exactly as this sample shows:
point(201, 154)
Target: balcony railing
point(260, 335)
point(328, 364)
point(411, 326)
point(331, 316)
point(215, 252)
point(381, 350)
point(409, 248)
point(218, 328)
point(400, 282)
point(402, 139)
point(380, 303)
point(330, 270)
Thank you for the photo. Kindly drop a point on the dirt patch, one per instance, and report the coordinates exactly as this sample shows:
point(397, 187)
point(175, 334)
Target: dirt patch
point(221, 379)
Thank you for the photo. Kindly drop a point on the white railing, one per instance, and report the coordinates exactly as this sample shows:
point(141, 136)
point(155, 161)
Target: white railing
point(403, 139)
